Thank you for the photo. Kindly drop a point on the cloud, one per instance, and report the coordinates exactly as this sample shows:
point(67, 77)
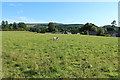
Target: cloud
point(29, 20)
point(20, 11)
point(14, 5)
point(10, 20)
point(18, 19)
point(23, 19)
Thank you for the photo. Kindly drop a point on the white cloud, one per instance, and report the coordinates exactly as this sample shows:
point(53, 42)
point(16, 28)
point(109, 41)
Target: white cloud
point(17, 19)
point(10, 20)
point(13, 4)
point(23, 19)
point(20, 11)
point(29, 20)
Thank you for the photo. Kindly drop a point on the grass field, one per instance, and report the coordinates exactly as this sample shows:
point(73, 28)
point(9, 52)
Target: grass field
point(34, 55)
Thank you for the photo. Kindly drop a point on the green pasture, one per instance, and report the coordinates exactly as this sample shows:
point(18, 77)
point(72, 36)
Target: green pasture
point(36, 55)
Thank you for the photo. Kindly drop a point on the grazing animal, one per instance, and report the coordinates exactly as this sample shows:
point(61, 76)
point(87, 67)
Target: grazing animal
point(55, 38)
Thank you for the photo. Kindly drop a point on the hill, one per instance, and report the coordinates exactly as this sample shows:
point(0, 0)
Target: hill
point(59, 25)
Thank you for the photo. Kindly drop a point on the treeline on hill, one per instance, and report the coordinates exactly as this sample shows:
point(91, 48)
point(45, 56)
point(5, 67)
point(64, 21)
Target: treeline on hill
point(86, 29)
point(21, 26)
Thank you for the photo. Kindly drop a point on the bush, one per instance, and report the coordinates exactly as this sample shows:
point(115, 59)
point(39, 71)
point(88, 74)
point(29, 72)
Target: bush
point(107, 35)
point(85, 33)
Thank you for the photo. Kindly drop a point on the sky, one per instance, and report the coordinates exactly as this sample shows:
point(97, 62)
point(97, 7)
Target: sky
point(99, 13)
point(59, 0)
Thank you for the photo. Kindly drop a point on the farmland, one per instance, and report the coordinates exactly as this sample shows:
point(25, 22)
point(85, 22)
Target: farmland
point(35, 55)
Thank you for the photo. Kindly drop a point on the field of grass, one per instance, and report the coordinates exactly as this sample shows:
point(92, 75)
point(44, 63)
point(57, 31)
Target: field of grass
point(34, 55)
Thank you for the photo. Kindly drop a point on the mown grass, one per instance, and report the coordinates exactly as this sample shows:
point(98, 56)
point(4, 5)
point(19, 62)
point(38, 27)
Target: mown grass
point(34, 55)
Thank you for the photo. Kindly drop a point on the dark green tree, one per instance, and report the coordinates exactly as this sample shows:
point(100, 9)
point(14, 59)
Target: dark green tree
point(6, 25)
point(38, 30)
point(74, 31)
point(22, 26)
point(3, 24)
point(113, 23)
point(15, 26)
point(93, 28)
point(43, 30)
point(10, 26)
point(110, 29)
point(101, 32)
point(51, 27)
point(88, 27)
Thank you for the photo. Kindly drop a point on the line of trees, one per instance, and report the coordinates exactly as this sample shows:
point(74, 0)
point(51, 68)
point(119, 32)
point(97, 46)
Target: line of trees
point(85, 29)
point(21, 26)
point(52, 27)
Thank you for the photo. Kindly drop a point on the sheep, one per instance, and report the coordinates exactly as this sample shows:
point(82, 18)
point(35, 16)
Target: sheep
point(55, 38)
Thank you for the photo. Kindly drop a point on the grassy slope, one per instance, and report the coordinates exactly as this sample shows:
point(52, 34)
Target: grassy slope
point(27, 54)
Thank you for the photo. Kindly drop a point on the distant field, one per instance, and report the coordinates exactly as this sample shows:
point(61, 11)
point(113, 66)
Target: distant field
point(34, 55)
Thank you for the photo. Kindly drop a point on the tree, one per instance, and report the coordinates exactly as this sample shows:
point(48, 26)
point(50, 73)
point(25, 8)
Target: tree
point(63, 30)
point(33, 29)
point(51, 27)
point(3, 24)
point(15, 27)
point(22, 26)
point(43, 30)
point(113, 23)
point(110, 29)
point(6, 25)
point(93, 28)
point(10, 26)
point(101, 32)
point(85, 33)
point(55, 30)
point(38, 30)
point(88, 27)
point(74, 31)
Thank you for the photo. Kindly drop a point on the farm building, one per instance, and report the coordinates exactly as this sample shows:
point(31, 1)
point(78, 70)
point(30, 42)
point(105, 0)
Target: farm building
point(113, 33)
point(78, 33)
point(59, 32)
point(48, 32)
point(67, 33)
point(118, 35)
